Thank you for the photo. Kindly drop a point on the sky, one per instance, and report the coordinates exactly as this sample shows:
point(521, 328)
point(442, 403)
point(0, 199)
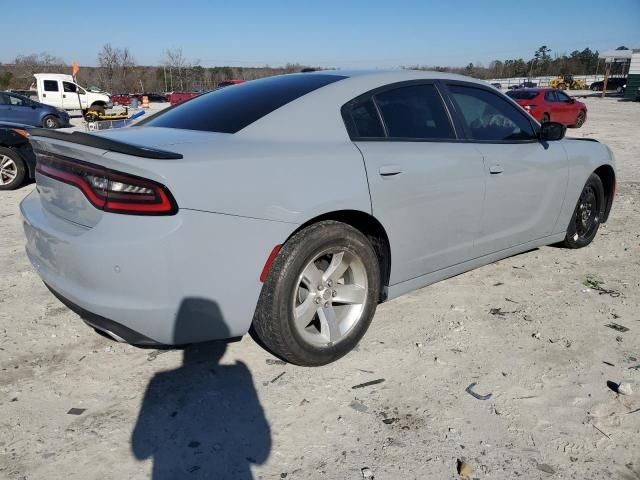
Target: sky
point(326, 33)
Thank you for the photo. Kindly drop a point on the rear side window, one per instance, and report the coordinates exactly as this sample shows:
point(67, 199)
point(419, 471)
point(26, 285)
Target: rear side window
point(489, 117)
point(229, 110)
point(50, 85)
point(415, 112)
point(522, 95)
point(366, 121)
point(550, 96)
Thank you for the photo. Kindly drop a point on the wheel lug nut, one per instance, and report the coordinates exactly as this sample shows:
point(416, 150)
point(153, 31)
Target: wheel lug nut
point(329, 283)
point(334, 293)
point(326, 305)
point(318, 300)
point(319, 287)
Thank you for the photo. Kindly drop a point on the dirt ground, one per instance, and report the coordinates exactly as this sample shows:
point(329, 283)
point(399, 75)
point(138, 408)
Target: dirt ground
point(76, 405)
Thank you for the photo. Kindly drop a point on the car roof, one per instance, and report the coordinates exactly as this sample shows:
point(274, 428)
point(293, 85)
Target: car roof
point(391, 76)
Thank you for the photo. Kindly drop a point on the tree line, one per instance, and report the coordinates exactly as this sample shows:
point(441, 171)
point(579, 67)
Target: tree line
point(542, 63)
point(118, 72)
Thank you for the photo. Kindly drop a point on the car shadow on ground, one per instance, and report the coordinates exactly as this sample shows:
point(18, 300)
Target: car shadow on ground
point(202, 419)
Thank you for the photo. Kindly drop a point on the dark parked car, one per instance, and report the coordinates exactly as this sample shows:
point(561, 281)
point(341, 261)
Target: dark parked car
point(616, 83)
point(523, 85)
point(17, 160)
point(15, 108)
point(497, 85)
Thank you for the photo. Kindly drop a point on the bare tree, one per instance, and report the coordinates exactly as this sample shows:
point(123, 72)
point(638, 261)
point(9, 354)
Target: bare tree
point(109, 62)
point(27, 65)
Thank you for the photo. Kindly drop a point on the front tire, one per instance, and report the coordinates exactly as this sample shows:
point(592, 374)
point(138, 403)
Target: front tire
point(585, 220)
point(580, 119)
point(12, 169)
point(320, 295)
point(50, 121)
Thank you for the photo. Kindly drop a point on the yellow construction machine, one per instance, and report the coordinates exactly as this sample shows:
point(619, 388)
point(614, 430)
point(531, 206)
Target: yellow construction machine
point(567, 82)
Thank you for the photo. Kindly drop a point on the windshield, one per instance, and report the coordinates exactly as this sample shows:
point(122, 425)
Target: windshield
point(522, 95)
point(229, 110)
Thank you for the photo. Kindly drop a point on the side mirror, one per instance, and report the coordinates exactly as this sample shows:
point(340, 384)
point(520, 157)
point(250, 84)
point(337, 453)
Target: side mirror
point(572, 100)
point(551, 131)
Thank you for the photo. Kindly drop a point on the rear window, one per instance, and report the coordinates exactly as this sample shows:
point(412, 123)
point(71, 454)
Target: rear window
point(520, 95)
point(229, 110)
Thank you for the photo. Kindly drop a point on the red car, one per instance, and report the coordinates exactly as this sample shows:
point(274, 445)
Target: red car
point(551, 105)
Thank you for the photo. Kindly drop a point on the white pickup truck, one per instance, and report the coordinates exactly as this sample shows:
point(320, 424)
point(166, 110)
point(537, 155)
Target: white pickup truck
point(59, 90)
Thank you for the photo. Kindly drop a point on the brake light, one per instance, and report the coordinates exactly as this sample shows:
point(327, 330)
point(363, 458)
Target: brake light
point(529, 108)
point(20, 132)
point(107, 189)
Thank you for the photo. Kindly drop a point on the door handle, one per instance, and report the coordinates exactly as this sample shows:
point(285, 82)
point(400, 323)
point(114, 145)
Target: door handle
point(496, 169)
point(64, 96)
point(389, 170)
point(44, 94)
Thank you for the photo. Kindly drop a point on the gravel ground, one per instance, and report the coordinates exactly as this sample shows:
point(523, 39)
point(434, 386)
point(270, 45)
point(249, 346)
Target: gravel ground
point(76, 405)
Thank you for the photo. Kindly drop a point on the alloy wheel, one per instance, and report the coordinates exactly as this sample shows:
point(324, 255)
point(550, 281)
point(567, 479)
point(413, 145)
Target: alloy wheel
point(329, 297)
point(587, 213)
point(8, 170)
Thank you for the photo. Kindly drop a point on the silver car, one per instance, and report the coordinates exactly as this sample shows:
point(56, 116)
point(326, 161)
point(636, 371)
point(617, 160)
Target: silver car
point(292, 205)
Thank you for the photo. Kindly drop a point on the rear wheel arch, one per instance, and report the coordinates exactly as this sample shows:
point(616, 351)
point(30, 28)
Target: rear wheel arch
point(370, 227)
point(608, 177)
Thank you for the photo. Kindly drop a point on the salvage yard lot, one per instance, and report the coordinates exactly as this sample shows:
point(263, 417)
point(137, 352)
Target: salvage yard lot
point(526, 329)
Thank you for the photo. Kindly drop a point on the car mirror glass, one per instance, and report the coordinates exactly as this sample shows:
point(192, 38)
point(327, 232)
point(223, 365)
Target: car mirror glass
point(551, 131)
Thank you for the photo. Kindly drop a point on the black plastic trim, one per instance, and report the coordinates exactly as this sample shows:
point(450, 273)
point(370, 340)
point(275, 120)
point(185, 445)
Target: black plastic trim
point(104, 143)
point(104, 324)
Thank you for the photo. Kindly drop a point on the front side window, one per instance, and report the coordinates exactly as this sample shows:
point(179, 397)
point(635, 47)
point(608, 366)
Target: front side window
point(550, 96)
point(51, 86)
point(69, 87)
point(416, 112)
point(229, 110)
point(489, 117)
point(563, 97)
point(16, 101)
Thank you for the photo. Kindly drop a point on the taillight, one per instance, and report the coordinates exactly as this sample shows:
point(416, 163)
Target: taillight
point(529, 108)
point(107, 189)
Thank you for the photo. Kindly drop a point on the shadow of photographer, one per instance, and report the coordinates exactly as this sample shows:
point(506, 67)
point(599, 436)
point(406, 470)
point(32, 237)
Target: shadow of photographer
point(203, 419)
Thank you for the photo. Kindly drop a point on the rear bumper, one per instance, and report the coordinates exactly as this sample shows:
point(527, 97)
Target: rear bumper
point(170, 280)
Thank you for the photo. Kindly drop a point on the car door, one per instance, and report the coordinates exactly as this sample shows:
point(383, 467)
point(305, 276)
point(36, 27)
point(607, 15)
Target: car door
point(7, 114)
point(21, 110)
point(568, 108)
point(526, 179)
point(426, 187)
point(71, 96)
point(51, 94)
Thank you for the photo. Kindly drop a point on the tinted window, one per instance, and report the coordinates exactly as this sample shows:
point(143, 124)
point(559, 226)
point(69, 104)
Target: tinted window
point(4, 99)
point(563, 97)
point(229, 110)
point(50, 85)
point(550, 96)
point(522, 94)
point(17, 101)
point(366, 120)
point(414, 112)
point(489, 117)
point(69, 87)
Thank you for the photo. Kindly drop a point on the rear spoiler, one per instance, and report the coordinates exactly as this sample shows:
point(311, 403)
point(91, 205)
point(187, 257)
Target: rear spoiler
point(104, 143)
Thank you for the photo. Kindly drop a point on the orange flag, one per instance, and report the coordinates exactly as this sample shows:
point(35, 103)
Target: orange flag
point(75, 68)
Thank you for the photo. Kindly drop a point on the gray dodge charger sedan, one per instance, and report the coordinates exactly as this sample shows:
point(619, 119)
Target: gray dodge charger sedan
point(291, 206)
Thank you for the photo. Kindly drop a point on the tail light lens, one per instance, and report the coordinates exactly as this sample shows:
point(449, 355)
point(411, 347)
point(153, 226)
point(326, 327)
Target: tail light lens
point(107, 189)
point(529, 108)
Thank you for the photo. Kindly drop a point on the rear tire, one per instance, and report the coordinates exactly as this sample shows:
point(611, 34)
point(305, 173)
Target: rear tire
point(12, 169)
point(585, 220)
point(320, 295)
point(50, 121)
point(580, 119)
